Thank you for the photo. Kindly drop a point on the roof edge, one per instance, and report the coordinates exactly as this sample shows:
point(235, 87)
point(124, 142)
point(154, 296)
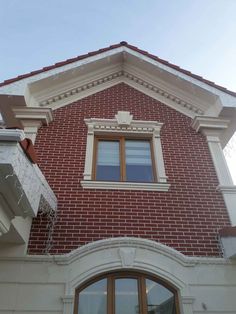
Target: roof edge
point(122, 43)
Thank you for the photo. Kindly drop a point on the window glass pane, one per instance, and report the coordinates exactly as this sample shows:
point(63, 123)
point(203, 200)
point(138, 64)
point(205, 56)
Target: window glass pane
point(108, 160)
point(93, 299)
point(138, 161)
point(160, 300)
point(126, 296)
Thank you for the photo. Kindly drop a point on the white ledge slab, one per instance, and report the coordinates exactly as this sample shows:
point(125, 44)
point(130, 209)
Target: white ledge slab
point(229, 189)
point(11, 135)
point(163, 187)
point(23, 187)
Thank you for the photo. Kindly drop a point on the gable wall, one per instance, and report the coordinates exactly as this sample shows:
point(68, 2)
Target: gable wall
point(187, 217)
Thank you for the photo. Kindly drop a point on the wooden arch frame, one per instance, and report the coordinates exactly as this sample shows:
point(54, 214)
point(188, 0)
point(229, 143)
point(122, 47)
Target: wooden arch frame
point(140, 276)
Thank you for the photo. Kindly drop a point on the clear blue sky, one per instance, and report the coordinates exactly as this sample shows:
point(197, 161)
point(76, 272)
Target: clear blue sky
point(198, 35)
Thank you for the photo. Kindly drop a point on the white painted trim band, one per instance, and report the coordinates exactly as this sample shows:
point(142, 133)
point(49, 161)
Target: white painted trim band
point(161, 187)
point(229, 189)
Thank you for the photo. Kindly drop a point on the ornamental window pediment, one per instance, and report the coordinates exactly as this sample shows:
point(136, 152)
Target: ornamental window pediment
point(124, 153)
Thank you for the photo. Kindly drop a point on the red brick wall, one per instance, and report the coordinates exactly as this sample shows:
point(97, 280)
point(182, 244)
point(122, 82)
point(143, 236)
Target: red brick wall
point(186, 218)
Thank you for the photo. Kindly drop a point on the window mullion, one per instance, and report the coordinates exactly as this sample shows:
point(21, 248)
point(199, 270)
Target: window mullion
point(154, 170)
point(122, 159)
point(94, 159)
point(142, 296)
point(110, 295)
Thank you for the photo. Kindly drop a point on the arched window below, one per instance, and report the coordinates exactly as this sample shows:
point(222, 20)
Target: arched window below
point(126, 293)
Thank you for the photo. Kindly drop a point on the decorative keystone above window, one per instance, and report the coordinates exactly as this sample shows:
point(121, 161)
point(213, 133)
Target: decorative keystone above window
point(123, 153)
point(124, 118)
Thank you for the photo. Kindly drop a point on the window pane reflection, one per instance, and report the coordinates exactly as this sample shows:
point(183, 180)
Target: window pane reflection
point(108, 161)
point(126, 296)
point(159, 299)
point(93, 299)
point(138, 161)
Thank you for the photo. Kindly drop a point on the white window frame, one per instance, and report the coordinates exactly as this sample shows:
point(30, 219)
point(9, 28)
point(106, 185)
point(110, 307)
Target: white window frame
point(123, 124)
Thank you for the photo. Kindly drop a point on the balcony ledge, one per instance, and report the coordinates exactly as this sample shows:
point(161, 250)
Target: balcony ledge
point(23, 187)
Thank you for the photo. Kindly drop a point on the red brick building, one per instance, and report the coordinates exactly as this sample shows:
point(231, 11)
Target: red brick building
point(131, 145)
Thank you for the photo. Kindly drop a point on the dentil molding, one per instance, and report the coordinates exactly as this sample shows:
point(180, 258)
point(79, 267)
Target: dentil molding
point(66, 95)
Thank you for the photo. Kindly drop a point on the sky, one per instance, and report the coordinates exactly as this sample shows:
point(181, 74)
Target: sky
point(197, 35)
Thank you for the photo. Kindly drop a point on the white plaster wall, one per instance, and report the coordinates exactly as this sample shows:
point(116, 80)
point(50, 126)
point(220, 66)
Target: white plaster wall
point(46, 284)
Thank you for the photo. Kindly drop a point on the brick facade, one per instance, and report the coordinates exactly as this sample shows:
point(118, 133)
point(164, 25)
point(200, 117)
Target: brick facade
point(187, 217)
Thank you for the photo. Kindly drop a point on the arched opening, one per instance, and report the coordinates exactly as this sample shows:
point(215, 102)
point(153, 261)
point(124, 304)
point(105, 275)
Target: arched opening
point(126, 292)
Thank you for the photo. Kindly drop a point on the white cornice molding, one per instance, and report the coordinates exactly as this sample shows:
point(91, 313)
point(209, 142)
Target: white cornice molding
point(177, 102)
point(32, 114)
point(200, 124)
point(80, 89)
point(227, 99)
point(18, 87)
point(60, 99)
point(209, 122)
point(111, 125)
point(164, 88)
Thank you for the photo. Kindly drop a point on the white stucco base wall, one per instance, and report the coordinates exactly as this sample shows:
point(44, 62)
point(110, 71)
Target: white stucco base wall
point(46, 284)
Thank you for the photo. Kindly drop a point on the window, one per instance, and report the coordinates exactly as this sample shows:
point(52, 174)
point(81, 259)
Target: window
point(123, 159)
point(2, 123)
point(126, 293)
point(123, 153)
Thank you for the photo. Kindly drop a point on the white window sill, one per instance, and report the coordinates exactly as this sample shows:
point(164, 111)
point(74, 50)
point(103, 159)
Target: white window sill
point(111, 185)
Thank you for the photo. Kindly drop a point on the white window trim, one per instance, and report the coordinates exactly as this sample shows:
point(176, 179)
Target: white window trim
point(123, 124)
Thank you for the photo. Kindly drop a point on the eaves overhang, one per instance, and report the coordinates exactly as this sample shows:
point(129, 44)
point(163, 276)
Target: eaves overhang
point(161, 82)
point(133, 64)
point(68, 62)
point(80, 77)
